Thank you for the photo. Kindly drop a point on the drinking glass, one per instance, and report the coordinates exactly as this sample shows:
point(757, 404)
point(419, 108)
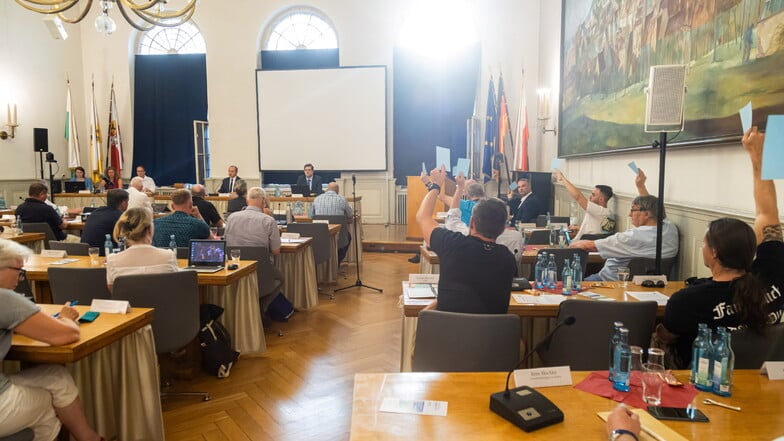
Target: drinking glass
point(235, 256)
point(656, 356)
point(623, 276)
point(214, 232)
point(553, 238)
point(94, 252)
point(652, 382)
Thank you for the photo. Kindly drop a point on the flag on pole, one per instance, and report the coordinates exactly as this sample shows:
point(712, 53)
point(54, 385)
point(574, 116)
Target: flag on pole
point(504, 129)
point(114, 153)
point(521, 146)
point(96, 158)
point(491, 129)
point(71, 134)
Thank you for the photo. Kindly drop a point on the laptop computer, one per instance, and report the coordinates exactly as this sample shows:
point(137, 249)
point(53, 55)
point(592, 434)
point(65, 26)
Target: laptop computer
point(74, 186)
point(206, 255)
point(304, 190)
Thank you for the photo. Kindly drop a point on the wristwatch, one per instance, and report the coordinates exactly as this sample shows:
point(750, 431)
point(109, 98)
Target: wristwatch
point(618, 433)
point(433, 186)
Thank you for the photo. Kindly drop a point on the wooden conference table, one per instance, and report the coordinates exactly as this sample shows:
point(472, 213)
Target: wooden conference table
point(237, 292)
point(469, 416)
point(115, 367)
point(411, 308)
point(35, 241)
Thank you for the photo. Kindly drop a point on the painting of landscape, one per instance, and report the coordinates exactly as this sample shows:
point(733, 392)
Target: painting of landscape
point(733, 50)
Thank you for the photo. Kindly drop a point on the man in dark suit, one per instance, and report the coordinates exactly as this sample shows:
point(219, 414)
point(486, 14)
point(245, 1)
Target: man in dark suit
point(524, 206)
point(227, 186)
point(310, 182)
point(102, 220)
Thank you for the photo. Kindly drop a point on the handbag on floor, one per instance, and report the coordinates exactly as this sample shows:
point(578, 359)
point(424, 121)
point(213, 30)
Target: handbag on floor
point(280, 309)
point(218, 355)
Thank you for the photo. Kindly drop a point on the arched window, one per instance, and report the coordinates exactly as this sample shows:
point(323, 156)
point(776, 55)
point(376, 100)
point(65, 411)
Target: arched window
point(299, 38)
point(184, 39)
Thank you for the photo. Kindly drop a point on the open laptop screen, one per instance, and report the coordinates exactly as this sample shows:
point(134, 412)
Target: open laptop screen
point(207, 253)
point(74, 186)
point(304, 190)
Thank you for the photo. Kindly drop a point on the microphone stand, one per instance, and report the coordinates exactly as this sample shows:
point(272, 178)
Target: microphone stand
point(358, 283)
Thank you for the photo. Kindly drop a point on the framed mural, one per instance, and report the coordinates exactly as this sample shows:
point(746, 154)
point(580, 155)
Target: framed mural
point(733, 50)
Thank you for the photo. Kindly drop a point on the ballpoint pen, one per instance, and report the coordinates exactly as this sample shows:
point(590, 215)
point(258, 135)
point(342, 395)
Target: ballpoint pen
point(72, 303)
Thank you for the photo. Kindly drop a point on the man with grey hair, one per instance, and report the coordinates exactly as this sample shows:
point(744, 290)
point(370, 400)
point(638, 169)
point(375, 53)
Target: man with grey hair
point(252, 226)
point(136, 197)
point(208, 211)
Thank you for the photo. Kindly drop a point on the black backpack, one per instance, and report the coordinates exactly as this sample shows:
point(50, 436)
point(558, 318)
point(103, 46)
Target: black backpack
point(218, 355)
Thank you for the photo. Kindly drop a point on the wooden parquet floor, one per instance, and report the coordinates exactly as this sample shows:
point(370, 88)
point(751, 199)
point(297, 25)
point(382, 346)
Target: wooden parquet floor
point(301, 388)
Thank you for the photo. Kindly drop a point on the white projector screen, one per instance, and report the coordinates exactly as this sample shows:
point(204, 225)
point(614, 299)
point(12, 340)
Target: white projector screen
point(333, 118)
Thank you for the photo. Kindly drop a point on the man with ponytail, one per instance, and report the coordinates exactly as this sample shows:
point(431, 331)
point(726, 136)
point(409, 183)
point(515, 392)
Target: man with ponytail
point(744, 291)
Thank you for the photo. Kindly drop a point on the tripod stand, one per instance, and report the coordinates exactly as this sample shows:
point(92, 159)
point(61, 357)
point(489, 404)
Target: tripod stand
point(358, 283)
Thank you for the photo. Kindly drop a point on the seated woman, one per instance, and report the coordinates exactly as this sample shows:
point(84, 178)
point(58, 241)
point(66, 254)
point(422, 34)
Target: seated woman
point(42, 397)
point(112, 179)
point(80, 177)
point(136, 226)
point(239, 203)
point(744, 291)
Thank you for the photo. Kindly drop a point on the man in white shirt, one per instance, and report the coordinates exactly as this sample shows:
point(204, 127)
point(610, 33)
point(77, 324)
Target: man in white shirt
point(136, 196)
point(599, 219)
point(148, 183)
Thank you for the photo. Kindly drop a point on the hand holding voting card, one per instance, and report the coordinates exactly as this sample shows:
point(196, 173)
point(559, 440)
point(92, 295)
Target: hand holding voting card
point(745, 117)
point(461, 167)
point(556, 164)
point(633, 166)
point(443, 158)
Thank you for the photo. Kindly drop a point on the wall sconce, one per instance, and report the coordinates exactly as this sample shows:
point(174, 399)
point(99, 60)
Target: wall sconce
point(12, 122)
point(543, 110)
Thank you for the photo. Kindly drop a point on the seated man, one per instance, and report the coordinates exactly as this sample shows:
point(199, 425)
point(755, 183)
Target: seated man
point(207, 210)
point(102, 219)
point(252, 226)
point(137, 198)
point(476, 273)
point(185, 223)
point(599, 219)
point(227, 186)
point(640, 241)
point(524, 205)
point(307, 179)
point(332, 203)
point(35, 209)
point(148, 183)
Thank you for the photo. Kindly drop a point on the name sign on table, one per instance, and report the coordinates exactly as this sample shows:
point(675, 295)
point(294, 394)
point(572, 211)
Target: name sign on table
point(544, 377)
point(110, 306)
point(774, 369)
point(53, 253)
point(423, 278)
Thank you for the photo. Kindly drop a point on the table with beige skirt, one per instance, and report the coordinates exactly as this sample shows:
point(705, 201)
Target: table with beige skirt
point(296, 264)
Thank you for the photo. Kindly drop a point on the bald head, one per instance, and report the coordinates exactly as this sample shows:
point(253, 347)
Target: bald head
point(137, 183)
point(198, 190)
point(333, 186)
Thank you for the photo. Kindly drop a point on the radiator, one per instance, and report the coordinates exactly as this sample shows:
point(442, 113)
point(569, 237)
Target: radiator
point(401, 210)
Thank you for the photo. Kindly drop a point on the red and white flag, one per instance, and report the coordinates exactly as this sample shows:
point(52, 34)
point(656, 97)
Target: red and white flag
point(114, 153)
point(521, 146)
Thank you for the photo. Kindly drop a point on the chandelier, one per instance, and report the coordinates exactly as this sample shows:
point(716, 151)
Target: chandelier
point(142, 15)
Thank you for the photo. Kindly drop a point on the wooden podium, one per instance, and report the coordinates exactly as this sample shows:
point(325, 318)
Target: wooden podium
point(417, 192)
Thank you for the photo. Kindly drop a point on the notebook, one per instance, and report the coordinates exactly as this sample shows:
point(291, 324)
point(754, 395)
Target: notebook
point(206, 256)
point(74, 186)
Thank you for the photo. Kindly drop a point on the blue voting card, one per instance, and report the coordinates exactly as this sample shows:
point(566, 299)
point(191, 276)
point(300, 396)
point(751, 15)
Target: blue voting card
point(461, 167)
point(633, 166)
point(556, 164)
point(513, 186)
point(443, 157)
point(772, 152)
point(745, 117)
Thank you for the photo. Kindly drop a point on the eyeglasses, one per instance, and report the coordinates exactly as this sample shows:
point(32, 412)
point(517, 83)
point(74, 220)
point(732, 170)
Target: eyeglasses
point(653, 283)
point(22, 271)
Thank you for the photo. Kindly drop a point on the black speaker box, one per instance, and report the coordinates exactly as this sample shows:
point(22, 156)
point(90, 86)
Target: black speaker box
point(41, 140)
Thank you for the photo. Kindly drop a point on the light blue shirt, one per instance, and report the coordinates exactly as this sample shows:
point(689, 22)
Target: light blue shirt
point(620, 248)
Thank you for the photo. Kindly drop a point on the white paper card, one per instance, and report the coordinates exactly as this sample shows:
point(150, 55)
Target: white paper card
point(544, 299)
point(296, 195)
point(416, 407)
point(423, 278)
point(53, 253)
point(63, 261)
point(224, 195)
point(774, 370)
point(110, 306)
point(544, 377)
point(656, 296)
point(321, 221)
point(289, 236)
point(421, 291)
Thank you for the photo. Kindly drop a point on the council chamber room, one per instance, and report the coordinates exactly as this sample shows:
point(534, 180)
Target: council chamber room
point(391, 220)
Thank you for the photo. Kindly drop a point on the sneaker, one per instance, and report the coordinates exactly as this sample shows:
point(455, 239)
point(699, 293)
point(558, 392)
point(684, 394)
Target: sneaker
point(414, 259)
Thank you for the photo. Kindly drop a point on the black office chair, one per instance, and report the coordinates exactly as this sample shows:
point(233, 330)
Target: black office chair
point(458, 342)
point(541, 220)
point(175, 298)
point(584, 346)
point(270, 279)
point(539, 237)
point(566, 253)
point(752, 349)
point(320, 235)
point(72, 249)
point(343, 235)
point(40, 227)
point(82, 284)
point(595, 236)
point(641, 266)
point(22, 435)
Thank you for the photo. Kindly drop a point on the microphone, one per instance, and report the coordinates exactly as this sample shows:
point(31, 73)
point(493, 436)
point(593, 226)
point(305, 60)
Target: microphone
point(539, 411)
point(354, 179)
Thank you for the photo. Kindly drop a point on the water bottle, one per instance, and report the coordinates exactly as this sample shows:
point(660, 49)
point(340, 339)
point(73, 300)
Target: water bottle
point(121, 244)
point(577, 274)
point(552, 272)
point(614, 341)
point(539, 271)
point(277, 190)
point(723, 364)
point(623, 362)
point(289, 217)
point(549, 226)
point(108, 246)
point(566, 278)
point(19, 228)
point(702, 360)
point(172, 243)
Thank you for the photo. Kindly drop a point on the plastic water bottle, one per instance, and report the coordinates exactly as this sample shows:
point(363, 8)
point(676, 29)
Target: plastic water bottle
point(277, 190)
point(566, 278)
point(108, 246)
point(623, 362)
point(702, 360)
point(614, 341)
point(19, 228)
point(696, 349)
point(172, 243)
point(723, 364)
point(552, 272)
point(548, 224)
point(577, 274)
point(289, 216)
point(539, 269)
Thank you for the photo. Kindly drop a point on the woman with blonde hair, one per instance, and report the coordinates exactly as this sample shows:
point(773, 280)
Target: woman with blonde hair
point(136, 226)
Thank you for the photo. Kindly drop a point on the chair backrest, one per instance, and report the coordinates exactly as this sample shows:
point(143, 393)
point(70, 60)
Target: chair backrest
point(73, 249)
point(82, 284)
point(270, 279)
point(320, 235)
point(340, 220)
point(566, 253)
point(752, 349)
point(458, 342)
point(175, 297)
point(585, 344)
point(595, 236)
point(640, 266)
point(182, 252)
point(539, 237)
point(40, 227)
point(22, 435)
point(541, 220)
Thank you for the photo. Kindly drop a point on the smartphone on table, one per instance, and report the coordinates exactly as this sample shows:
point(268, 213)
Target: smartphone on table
point(678, 414)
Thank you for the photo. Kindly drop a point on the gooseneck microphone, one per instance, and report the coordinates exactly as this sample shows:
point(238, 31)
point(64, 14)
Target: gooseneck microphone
point(354, 179)
point(523, 406)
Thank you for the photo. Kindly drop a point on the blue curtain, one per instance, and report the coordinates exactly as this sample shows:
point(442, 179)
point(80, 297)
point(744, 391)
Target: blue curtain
point(431, 105)
point(170, 92)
